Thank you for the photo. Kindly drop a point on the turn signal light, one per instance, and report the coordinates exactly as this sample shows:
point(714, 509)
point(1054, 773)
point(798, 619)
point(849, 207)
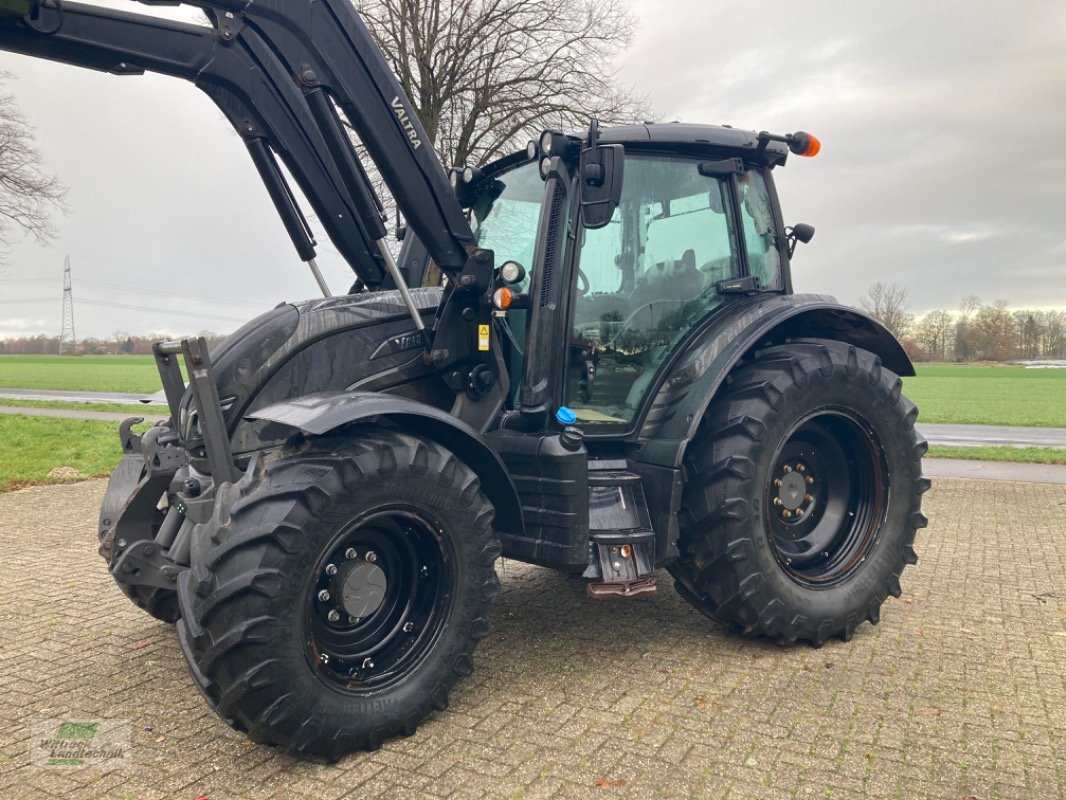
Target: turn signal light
point(804, 144)
point(502, 298)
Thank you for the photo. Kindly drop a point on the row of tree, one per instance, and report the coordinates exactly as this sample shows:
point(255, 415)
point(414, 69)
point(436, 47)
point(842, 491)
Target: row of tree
point(119, 343)
point(977, 331)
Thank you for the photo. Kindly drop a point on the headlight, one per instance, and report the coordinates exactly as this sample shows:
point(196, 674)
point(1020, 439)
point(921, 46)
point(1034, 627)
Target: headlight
point(512, 272)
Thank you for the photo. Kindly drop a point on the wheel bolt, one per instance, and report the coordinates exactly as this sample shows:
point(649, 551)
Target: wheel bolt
point(352, 620)
point(331, 569)
point(788, 469)
point(810, 480)
point(801, 468)
point(799, 512)
point(333, 616)
point(777, 481)
point(786, 514)
point(323, 596)
point(368, 663)
point(371, 556)
point(808, 498)
point(777, 501)
point(408, 627)
point(350, 553)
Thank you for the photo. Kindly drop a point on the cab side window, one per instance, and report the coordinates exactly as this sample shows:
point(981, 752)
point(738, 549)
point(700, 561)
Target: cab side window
point(760, 229)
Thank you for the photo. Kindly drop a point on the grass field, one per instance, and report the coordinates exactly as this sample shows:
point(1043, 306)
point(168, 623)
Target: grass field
point(35, 450)
point(32, 447)
point(975, 394)
point(134, 374)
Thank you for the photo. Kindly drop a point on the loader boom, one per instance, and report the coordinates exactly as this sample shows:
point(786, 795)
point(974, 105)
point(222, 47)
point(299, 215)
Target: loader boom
point(280, 71)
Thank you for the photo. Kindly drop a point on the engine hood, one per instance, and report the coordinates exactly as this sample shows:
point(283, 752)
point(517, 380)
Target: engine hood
point(310, 346)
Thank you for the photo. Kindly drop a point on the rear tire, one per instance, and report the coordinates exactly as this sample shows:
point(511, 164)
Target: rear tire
point(338, 592)
point(803, 495)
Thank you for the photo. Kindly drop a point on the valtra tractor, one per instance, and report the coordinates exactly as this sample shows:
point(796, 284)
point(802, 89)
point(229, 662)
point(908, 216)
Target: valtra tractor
point(587, 355)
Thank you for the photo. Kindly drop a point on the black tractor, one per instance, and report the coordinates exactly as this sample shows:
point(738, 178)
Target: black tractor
point(587, 355)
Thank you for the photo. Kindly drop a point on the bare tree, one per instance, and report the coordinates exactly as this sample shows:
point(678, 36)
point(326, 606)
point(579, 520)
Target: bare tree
point(28, 195)
point(485, 75)
point(933, 333)
point(888, 303)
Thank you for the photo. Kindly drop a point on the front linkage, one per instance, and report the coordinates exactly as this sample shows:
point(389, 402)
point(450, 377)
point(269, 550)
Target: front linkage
point(157, 494)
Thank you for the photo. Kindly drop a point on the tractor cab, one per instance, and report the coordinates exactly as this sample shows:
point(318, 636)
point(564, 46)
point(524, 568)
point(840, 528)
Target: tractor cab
point(605, 302)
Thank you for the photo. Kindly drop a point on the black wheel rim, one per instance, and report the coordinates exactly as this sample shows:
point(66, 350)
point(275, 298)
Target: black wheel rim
point(378, 599)
point(826, 497)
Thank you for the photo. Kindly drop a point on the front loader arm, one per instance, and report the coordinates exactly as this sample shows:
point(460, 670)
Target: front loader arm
point(256, 95)
point(326, 45)
point(286, 65)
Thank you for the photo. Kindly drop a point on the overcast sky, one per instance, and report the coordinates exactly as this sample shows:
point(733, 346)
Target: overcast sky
point(942, 166)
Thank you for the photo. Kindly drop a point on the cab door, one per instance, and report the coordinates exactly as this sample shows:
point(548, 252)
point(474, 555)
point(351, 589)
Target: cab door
point(649, 276)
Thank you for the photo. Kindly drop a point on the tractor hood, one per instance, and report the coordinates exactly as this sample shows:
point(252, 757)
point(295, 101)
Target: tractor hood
point(311, 346)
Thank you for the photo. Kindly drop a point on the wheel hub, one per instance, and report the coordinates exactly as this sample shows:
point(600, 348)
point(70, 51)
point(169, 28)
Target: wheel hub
point(792, 490)
point(793, 484)
point(362, 588)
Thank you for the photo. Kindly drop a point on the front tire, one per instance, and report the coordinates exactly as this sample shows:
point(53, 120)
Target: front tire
point(803, 495)
point(338, 593)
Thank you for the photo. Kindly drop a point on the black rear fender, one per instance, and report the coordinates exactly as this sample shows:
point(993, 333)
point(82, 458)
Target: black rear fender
point(327, 412)
point(696, 376)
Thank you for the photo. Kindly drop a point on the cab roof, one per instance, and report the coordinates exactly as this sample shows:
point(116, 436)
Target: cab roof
point(688, 137)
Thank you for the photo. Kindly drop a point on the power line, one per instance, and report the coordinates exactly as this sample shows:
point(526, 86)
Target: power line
point(128, 307)
point(137, 290)
point(29, 300)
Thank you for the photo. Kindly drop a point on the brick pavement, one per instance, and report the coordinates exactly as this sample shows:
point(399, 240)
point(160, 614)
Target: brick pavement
point(958, 693)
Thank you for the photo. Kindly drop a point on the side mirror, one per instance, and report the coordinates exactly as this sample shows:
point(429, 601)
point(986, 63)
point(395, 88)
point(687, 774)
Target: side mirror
point(800, 232)
point(601, 169)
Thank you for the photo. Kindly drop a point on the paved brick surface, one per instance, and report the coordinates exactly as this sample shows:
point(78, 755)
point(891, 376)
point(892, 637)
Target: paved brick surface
point(958, 693)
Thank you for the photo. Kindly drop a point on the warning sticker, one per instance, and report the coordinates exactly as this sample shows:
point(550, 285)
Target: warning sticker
point(482, 337)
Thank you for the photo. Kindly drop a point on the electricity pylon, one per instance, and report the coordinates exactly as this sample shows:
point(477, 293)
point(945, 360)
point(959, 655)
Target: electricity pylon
point(67, 339)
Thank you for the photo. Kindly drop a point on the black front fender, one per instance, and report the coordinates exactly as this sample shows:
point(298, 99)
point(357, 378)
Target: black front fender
point(694, 378)
point(325, 412)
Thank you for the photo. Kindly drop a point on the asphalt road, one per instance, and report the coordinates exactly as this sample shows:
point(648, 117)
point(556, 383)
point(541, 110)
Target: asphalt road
point(983, 435)
point(117, 398)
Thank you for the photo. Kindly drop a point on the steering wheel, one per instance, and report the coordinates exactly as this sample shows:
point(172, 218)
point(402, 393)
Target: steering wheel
point(628, 321)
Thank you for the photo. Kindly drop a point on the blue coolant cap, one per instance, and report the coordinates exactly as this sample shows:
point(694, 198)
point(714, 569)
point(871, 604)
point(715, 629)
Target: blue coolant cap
point(565, 416)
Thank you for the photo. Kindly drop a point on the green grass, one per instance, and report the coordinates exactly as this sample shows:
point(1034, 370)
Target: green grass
point(977, 394)
point(32, 447)
point(1026, 455)
point(85, 373)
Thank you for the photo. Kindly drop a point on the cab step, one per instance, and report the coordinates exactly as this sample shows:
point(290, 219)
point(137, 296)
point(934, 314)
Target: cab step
point(621, 538)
